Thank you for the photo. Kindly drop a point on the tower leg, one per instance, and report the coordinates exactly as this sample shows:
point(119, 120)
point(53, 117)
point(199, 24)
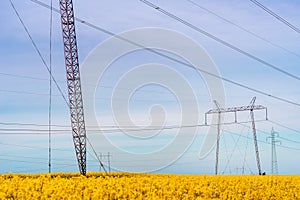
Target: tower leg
point(218, 143)
point(255, 142)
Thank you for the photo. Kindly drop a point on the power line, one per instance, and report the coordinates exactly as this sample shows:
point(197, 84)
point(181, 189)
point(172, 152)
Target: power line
point(24, 92)
point(244, 29)
point(244, 161)
point(32, 147)
point(288, 128)
point(289, 140)
point(82, 21)
point(261, 131)
point(39, 53)
point(97, 157)
point(113, 126)
point(266, 133)
point(29, 124)
point(22, 161)
point(283, 126)
point(276, 15)
point(262, 141)
point(173, 59)
point(288, 147)
point(220, 40)
point(49, 70)
point(113, 130)
point(61, 126)
point(24, 76)
point(33, 130)
point(118, 129)
point(45, 64)
point(17, 92)
point(234, 148)
point(100, 86)
point(32, 133)
point(240, 135)
point(34, 158)
point(31, 162)
point(43, 169)
point(21, 131)
point(36, 48)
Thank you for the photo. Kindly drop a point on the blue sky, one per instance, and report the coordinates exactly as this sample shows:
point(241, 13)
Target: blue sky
point(24, 89)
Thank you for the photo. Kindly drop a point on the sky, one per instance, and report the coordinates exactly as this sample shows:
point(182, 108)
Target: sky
point(141, 90)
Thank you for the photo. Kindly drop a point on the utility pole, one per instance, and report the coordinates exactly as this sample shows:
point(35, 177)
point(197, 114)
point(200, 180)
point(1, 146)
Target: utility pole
point(274, 164)
point(251, 107)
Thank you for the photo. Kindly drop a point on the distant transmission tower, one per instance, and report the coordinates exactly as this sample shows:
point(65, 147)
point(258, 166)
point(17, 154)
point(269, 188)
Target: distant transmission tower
point(251, 107)
point(274, 163)
point(103, 156)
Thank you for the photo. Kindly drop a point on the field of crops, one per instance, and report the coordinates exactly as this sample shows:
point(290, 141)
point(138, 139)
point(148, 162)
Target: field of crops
point(147, 186)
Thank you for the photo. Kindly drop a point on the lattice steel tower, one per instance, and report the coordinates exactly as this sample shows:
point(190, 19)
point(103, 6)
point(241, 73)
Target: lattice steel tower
point(251, 107)
point(73, 82)
point(274, 163)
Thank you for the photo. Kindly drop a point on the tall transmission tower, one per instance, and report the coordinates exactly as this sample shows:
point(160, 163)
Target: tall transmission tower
point(251, 107)
point(73, 82)
point(274, 164)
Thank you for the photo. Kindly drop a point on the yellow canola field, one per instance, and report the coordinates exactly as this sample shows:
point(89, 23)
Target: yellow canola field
point(147, 186)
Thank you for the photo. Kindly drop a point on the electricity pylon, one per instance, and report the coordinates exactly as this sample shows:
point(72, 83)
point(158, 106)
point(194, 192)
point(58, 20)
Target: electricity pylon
point(274, 164)
point(73, 82)
point(251, 107)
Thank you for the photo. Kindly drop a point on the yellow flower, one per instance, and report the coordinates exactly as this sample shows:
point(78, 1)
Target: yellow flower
point(145, 186)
